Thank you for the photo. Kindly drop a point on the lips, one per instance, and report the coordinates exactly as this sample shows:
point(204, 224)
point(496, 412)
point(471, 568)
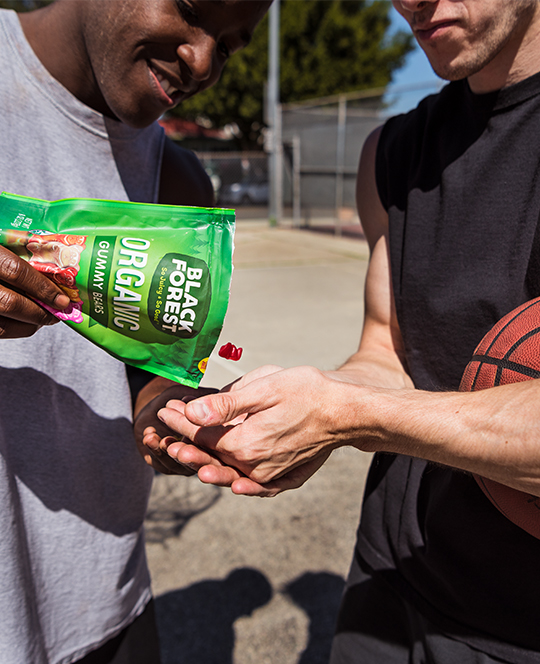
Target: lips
point(426, 31)
point(169, 90)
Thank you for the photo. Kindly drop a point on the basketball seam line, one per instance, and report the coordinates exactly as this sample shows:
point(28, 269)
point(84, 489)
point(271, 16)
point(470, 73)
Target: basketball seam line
point(521, 311)
point(522, 339)
point(513, 348)
point(503, 363)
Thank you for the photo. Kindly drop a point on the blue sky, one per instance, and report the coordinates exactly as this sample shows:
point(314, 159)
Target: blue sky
point(416, 72)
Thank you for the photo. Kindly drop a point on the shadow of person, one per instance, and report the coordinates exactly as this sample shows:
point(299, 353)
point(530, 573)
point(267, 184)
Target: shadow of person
point(319, 595)
point(196, 623)
point(44, 463)
point(174, 501)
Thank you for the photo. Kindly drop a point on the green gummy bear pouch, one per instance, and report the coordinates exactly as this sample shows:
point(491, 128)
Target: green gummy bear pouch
point(147, 283)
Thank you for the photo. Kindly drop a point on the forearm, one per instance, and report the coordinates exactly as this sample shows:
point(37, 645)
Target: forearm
point(494, 433)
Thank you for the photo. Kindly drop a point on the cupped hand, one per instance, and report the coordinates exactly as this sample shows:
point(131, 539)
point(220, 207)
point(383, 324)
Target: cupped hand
point(151, 433)
point(20, 285)
point(153, 437)
point(180, 456)
point(212, 471)
point(274, 425)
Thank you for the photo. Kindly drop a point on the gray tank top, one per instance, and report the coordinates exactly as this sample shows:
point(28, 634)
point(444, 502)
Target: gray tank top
point(73, 488)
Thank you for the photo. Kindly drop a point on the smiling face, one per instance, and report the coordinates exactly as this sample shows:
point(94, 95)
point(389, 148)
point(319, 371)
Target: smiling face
point(462, 38)
point(143, 57)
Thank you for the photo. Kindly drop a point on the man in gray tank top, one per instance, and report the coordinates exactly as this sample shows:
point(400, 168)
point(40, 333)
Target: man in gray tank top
point(82, 86)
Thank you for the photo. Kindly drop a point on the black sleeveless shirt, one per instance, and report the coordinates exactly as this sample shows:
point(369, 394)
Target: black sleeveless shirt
point(460, 179)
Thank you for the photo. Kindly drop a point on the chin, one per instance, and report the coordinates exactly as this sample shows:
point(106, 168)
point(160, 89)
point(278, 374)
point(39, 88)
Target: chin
point(133, 111)
point(450, 75)
point(456, 70)
point(137, 119)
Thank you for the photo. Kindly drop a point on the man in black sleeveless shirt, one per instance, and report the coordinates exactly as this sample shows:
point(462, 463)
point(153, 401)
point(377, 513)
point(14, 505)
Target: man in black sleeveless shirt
point(449, 197)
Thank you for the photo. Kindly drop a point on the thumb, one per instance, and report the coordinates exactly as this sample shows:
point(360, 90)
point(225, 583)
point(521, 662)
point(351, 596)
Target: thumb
point(221, 408)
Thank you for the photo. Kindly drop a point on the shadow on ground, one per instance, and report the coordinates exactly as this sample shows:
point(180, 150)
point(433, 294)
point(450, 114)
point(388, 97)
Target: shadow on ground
point(196, 624)
point(319, 595)
point(174, 501)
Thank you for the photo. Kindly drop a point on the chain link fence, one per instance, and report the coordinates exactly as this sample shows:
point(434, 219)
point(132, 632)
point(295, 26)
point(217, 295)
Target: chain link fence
point(322, 140)
point(240, 179)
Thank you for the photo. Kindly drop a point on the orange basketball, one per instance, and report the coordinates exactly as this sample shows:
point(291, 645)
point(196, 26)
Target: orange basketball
point(509, 353)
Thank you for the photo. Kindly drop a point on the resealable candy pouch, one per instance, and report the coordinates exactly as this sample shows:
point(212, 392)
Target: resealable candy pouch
point(147, 283)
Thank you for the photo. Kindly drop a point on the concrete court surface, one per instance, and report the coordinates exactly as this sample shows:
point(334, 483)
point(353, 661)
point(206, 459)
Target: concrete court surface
point(257, 581)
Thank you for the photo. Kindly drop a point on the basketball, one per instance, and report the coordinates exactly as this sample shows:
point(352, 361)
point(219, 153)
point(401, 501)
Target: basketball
point(509, 353)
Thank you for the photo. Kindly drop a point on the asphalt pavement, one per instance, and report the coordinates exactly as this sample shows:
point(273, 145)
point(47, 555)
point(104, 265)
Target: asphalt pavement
point(242, 580)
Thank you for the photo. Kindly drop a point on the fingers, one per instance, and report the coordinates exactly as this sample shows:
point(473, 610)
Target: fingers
point(224, 407)
point(20, 284)
point(151, 439)
point(205, 412)
point(164, 465)
point(184, 456)
point(186, 453)
point(292, 480)
point(210, 469)
point(219, 475)
point(173, 416)
point(156, 457)
point(246, 487)
point(12, 329)
point(20, 316)
point(277, 445)
point(18, 273)
point(229, 405)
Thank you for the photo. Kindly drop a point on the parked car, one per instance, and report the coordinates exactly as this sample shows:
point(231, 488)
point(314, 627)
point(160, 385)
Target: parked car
point(245, 192)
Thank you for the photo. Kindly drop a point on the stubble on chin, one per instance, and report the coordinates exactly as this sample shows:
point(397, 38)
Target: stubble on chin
point(486, 44)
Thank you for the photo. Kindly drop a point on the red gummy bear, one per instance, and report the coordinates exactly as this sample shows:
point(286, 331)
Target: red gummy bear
point(230, 352)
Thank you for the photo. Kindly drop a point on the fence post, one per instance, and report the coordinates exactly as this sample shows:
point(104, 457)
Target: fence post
point(340, 158)
point(274, 117)
point(278, 165)
point(296, 163)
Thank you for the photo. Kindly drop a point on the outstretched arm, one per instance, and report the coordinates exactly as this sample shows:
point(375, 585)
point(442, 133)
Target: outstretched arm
point(294, 418)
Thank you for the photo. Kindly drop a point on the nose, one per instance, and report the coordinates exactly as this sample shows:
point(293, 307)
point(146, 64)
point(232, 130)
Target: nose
point(198, 55)
point(412, 5)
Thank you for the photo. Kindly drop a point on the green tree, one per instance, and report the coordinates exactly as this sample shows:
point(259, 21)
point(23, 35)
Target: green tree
point(327, 47)
point(24, 5)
